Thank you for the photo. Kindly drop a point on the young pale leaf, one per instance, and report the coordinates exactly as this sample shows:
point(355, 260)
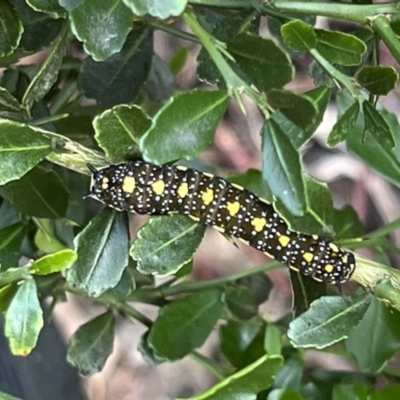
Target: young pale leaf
point(329, 320)
point(376, 339)
point(165, 244)
point(298, 109)
point(21, 148)
point(185, 126)
point(282, 168)
point(52, 263)
point(118, 131)
point(48, 72)
point(119, 78)
point(102, 249)
point(242, 342)
point(92, 343)
point(39, 193)
point(340, 48)
point(346, 125)
point(262, 60)
point(11, 239)
point(185, 324)
point(101, 26)
point(320, 98)
point(10, 29)
point(376, 125)
point(47, 6)
point(377, 79)
point(24, 319)
point(299, 36)
point(157, 9)
point(246, 383)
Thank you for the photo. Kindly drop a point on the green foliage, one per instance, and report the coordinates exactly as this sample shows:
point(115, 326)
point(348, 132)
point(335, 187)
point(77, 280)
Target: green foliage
point(48, 132)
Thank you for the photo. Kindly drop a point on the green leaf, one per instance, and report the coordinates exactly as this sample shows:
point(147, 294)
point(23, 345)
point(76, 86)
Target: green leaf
point(52, 263)
point(24, 319)
point(185, 324)
point(351, 391)
point(118, 131)
point(329, 320)
point(40, 29)
point(10, 29)
point(21, 148)
point(47, 6)
point(5, 396)
point(284, 394)
point(240, 302)
point(242, 342)
point(282, 168)
point(347, 224)
point(165, 244)
point(299, 36)
point(91, 344)
point(178, 60)
point(265, 63)
point(340, 48)
point(320, 98)
point(384, 161)
point(184, 126)
point(102, 249)
point(11, 239)
point(389, 392)
point(259, 285)
point(378, 80)
point(376, 339)
point(160, 83)
point(102, 26)
point(291, 374)
point(253, 181)
point(298, 109)
point(8, 102)
point(246, 383)
point(119, 78)
point(157, 9)
point(48, 72)
point(7, 293)
point(376, 125)
point(346, 125)
point(39, 193)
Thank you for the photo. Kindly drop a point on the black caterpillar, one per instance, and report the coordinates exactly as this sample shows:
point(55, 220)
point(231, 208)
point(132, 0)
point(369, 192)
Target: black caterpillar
point(145, 188)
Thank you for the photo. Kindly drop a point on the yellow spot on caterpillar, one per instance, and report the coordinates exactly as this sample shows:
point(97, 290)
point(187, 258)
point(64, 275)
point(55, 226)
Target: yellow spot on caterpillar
point(194, 218)
point(284, 240)
point(207, 174)
point(104, 183)
point(315, 237)
point(294, 268)
point(207, 196)
point(328, 268)
point(308, 257)
point(181, 168)
point(219, 228)
point(158, 187)
point(258, 224)
point(183, 190)
point(129, 184)
point(268, 254)
point(345, 259)
point(233, 208)
point(334, 247)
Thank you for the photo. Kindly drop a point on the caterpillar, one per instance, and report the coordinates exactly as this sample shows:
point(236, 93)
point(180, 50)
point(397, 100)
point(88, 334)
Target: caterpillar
point(145, 188)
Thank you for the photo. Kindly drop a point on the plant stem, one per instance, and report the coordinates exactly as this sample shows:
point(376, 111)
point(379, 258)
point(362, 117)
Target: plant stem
point(208, 364)
point(382, 26)
point(135, 314)
point(349, 12)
